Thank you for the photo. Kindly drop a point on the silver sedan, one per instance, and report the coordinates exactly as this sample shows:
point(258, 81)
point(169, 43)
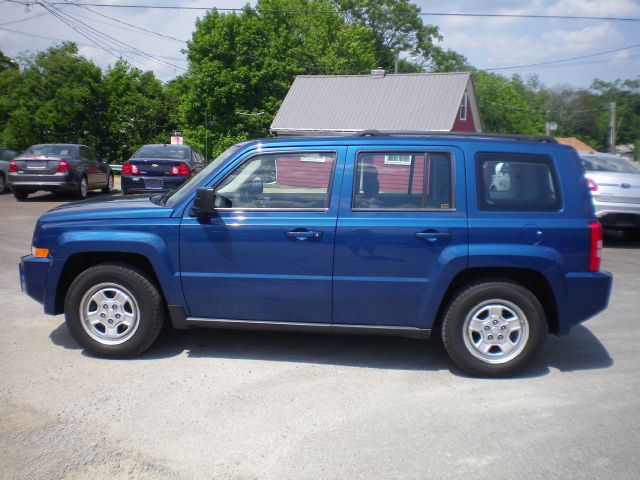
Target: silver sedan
point(615, 187)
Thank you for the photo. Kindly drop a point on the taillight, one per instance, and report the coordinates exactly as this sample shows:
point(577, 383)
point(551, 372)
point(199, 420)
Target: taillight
point(63, 166)
point(130, 169)
point(595, 247)
point(12, 166)
point(593, 186)
point(181, 169)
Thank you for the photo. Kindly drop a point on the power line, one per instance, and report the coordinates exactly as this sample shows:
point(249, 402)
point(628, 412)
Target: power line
point(123, 22)
point(92, 33)
point(320, 12)
point(56, 39)
point(98, 38)
point(562, 60)
point(23, 19)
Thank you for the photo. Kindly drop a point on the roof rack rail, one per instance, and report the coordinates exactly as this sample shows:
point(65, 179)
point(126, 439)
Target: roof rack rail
point(508, 136)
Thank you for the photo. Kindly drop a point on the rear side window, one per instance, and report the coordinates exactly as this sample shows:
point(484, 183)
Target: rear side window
point(403, 181)
point(512, 181)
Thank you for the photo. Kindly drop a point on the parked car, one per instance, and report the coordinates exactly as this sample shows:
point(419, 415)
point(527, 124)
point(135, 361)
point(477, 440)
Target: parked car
point(615, 188)
point(6, 154)
point(59, 167)
point(380, 234)
point(162, 167)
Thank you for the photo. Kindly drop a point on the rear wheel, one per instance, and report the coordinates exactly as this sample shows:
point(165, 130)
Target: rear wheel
point(108, 188)
point(494, 328)
point(114, 311)
point(83, 188)
point(3, 183)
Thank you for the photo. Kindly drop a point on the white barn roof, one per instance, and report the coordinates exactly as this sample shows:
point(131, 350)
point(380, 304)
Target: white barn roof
point(351, 103)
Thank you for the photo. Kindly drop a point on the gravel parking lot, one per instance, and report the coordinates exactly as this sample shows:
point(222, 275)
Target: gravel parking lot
point(242, 405)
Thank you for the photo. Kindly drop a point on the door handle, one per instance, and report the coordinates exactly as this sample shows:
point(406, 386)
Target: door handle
point(303, 235)
point(433, 236)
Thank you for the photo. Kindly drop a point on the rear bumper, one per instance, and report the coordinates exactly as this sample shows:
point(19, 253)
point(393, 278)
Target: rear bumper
point(52, 183)
point(33, 276)
point(618, 219)
point(586, 295)
point(142, 183)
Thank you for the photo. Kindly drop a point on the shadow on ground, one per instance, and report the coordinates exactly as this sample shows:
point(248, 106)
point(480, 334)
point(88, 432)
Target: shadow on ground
point(580, 350)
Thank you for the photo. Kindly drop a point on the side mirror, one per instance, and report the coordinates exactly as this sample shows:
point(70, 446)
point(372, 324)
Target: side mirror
point(204, 203)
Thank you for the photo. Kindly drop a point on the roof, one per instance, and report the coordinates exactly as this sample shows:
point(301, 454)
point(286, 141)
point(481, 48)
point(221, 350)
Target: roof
point(575, 143)
point(351, 103)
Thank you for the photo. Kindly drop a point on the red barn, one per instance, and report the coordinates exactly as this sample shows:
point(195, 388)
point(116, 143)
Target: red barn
point(346, 104)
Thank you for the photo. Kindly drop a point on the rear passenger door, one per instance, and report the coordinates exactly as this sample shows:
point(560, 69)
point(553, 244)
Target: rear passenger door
point(402, 229)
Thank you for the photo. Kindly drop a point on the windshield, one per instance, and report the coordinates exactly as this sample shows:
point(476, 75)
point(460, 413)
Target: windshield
point(608, 164)
point(162, 151)
point(48, 150)
point(189, 187)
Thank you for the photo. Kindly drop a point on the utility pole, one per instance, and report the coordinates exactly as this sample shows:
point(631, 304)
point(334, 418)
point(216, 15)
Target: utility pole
point(612, 127)
point(396, 70)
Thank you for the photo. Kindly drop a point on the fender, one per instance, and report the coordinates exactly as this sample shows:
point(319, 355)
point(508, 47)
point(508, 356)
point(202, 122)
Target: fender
point(164, 260)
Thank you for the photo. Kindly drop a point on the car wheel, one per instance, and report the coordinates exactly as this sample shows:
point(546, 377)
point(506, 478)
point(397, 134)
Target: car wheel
point(108, 188)
point(83, 188)
point(632, 234)
point(3, 183)
point(21, 194)
point(493, 328)
point(114, 311)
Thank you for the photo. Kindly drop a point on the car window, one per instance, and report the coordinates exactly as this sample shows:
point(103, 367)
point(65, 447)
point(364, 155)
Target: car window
point(403, 181)
point(7, 154)
point(277, 181)
point(607, 164)
point(49, 150)
point(163, 151)
point(511, 181)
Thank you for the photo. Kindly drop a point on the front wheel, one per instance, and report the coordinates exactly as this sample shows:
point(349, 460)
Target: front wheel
point(494, 328)
point(21, 194)
point(113, 310)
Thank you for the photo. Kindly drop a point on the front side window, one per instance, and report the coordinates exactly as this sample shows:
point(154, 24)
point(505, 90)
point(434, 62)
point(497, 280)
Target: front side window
point(511, 181)
point(420, 181)
point(279, 181)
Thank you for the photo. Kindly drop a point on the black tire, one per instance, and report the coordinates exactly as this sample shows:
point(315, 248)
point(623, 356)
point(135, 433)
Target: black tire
point(484, 315)
point(108, 188)
point(632, 234)
point(83, 188)
point(3, 183)
point(21, 194)
point(137, 294)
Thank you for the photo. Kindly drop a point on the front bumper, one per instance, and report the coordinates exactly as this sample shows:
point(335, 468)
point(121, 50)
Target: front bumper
point(34, 273)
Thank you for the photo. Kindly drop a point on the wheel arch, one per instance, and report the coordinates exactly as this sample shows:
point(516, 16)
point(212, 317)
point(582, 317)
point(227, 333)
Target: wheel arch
point(80, 262)
point(532, 280)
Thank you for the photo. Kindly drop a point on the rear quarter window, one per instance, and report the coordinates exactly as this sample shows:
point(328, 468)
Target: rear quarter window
point(516, 181)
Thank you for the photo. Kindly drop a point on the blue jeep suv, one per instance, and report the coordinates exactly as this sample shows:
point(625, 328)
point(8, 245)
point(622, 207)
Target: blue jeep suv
point(488, 241)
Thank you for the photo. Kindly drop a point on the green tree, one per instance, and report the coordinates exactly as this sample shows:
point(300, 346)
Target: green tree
point(57, 97)
point(400, 35)
point(137, 111)
point(241, 65)
point(504, 108)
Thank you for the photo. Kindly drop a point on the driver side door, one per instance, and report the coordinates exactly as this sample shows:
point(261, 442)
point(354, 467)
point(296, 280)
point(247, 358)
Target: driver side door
point(266, 255)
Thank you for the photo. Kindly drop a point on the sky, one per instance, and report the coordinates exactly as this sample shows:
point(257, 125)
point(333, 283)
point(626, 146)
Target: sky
point(487, 42)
